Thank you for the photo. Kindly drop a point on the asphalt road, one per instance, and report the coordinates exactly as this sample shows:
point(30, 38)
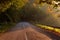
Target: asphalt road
point(24, 31)
point(24, 25)
point(27, 31)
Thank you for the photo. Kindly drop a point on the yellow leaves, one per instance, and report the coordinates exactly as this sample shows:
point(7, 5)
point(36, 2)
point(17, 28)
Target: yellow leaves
point(49, 28)
point(19, 3)
point(4, 6)
point(34, 4)
point(36, 1)
point(45, 27)
point(57, 30)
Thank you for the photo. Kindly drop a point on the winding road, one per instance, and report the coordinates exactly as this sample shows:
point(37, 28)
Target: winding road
point(23, 31)
point(24, 25)
point(27, 31)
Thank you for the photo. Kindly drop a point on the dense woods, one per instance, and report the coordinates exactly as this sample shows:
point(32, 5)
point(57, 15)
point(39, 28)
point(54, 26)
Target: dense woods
point(14, 11)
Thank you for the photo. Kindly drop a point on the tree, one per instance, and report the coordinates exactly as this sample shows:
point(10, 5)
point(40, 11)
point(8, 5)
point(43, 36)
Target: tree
point(51, 2)
point(23, 10)
point(10, 11)
point(11, 8)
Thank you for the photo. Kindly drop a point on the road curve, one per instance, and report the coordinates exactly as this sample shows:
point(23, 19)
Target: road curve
point(24, 31)
point(24, 25)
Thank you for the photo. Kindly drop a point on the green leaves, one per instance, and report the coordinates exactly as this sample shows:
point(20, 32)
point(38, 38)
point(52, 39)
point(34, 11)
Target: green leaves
point(10, 12)
point(4, 5)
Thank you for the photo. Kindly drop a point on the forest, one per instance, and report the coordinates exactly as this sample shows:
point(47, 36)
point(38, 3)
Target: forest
point(15, 11)
point(29, 19)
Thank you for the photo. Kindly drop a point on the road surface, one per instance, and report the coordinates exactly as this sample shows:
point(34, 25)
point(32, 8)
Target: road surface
point(24, 25)
point(23, 31)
